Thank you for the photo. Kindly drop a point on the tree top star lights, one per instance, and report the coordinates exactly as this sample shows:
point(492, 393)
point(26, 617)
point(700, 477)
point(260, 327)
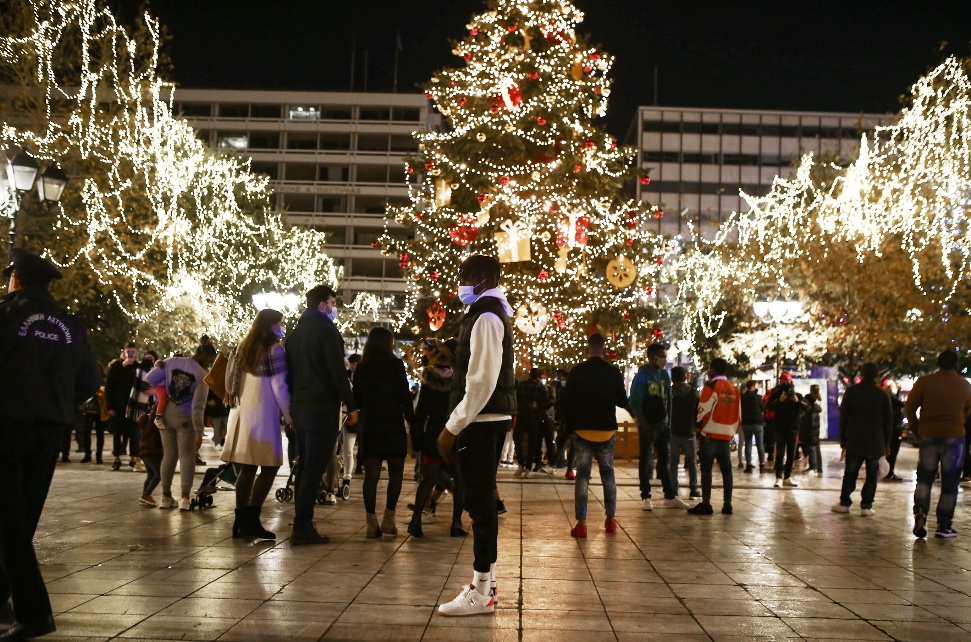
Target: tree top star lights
point(179, 236)
point(521, 173)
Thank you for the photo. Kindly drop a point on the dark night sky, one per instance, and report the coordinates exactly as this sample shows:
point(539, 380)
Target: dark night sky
point(852, 56)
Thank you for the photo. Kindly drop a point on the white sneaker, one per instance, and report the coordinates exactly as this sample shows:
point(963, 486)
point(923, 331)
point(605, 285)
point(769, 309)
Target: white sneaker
point(867, 512)
point(330, 499)
point(184, 504)
point(778, 482)
point(525, 474)
point(674, 502)
point(519, 471)
point(839, 508)
point(469, 602)
point(646, 504)
point(789, 483)
point(549, 470)
point(168, 502)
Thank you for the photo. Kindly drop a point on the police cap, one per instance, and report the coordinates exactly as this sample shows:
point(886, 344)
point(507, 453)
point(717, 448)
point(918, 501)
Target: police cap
point(30, 268)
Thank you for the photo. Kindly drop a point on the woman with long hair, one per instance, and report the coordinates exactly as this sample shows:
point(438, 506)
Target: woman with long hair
point(256, 383)
point(431, 414)
point(384, 398)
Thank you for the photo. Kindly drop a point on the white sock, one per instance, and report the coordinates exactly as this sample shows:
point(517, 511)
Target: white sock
point(492, 576)
point(481, 583)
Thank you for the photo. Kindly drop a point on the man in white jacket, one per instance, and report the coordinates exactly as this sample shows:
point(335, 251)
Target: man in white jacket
point(483, 402)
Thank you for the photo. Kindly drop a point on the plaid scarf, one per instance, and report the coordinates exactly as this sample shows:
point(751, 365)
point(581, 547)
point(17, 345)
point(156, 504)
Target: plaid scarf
point(275, 363)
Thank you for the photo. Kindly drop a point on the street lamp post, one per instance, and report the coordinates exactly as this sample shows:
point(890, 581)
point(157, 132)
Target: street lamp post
point(778, 311)
point(20, 176)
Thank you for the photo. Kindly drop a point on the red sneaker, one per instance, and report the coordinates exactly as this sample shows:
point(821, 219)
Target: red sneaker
point(570, 474)
point(580, 530)
point(610, 526)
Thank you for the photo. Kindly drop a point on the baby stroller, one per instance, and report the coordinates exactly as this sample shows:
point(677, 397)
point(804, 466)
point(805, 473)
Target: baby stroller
point(340, 487)
point(227, 472)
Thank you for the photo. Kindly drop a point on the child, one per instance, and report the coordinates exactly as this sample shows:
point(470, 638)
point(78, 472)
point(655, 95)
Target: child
point(151, 454)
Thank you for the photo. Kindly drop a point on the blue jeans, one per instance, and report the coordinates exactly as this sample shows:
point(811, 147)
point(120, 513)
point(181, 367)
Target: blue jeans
point(316, 433)
point(758, 432)
point(852, 471)
point(710, 451)
point(583, 453)
point(654, 438)
point(686, 446)
point(948, 453)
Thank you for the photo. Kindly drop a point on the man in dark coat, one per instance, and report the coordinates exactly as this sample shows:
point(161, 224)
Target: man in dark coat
point(318, 385)
point(118, 386)
point(533, 400)
point(47, 369)
point(594, 389)
point(866, 422)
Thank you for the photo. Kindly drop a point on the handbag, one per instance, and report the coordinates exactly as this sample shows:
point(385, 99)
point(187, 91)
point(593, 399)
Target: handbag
point(216, 378)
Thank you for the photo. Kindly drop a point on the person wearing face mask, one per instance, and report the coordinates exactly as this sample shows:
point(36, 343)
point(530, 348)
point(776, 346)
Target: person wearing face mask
point(318, 386)
point(256, 382)
point(483, 401)
point(650, 399)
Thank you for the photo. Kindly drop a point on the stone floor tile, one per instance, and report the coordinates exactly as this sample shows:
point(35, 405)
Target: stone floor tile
point(386, 615)
point(813, 628)
point(565, 621)
point(656, 624)
point(711, 606)
point(94, 625)
point(176, 627)
point(717, 625)
point(254, 630)
point(921, 631)
point(375, 633)
point(821, 608)
point(202, 607)
point(124, 605)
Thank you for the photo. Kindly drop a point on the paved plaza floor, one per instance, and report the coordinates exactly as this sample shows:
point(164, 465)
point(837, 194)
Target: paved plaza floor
point(782, 567)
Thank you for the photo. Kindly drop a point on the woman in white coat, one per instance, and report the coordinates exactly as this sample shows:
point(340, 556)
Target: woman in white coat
point(256, 382)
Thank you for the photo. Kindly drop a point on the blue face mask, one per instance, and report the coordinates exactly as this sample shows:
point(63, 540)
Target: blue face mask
point(332, 315)
point(467, 293)
point(279, 333)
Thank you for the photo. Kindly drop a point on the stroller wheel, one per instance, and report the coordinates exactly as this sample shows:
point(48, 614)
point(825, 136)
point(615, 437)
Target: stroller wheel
point(322, 498)
point(193, 503)
point(289, 494)
point(281, 494)
point(346, 489)
point(207, 501)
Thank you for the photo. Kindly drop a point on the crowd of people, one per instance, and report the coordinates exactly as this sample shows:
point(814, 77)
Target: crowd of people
point(469, 417)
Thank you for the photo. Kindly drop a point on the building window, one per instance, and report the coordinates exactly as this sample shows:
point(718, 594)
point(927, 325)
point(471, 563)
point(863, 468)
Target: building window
point(373, 173)
point(375, 113)
point(301, 172)
point(372, 143)
point(270, 169)
point(303, 112)
point(403, 144)
point(333, 173)
point(266, 111)
point(233, 111)
point(332, 204)
point(264, 140)
point(302, 140)
point(335, 141)
point(335, 113)
point(408, 114)
point(237, 141)
point(194, 110)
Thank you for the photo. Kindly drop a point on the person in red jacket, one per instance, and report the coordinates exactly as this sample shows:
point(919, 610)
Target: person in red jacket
point(719, 413)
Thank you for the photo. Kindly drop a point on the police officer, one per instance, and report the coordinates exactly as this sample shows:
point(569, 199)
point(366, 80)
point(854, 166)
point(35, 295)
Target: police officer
point(46, 369)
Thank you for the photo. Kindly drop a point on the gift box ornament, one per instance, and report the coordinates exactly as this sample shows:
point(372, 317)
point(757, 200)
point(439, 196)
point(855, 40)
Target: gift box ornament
point(512, 242)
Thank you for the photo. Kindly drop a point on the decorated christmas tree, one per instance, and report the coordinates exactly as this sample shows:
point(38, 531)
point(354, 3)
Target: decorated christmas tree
point(522, 173)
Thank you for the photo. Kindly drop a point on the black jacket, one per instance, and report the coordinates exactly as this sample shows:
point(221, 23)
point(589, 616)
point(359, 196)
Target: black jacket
point(315, 365)
point(118, 384)
point(866, 420)
point(753, 408)
point(809, 431)
point(47, 367)
point(431, 413)
point(382, 393)
point(684, 409)
point(503, 400)
point(788, 414)
point(593, 390)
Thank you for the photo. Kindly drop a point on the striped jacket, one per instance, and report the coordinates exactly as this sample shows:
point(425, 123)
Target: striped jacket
point(720, 409)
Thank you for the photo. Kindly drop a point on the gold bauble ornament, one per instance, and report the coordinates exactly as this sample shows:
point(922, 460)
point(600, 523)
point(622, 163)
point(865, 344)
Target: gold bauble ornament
point(531, 317)
point(480, 137)
point(621, 272)
point(534, 176)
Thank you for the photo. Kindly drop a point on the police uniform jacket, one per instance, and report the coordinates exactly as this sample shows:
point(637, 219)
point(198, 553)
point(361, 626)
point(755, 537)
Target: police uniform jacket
point(46, 364)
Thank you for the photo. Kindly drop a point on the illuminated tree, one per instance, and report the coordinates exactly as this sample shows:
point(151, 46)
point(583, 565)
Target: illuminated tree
point(172, 235)
point(522, 173)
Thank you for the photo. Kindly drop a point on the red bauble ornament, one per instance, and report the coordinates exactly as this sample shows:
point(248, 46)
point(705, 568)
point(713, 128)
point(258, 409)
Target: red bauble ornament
point(375, 244)
point(429, 165)
point(513, 27)
point(658, 213)
point(494, 109)
point(559, 319)
point(411, 170)
point(436, 316)
point(587, 69)
point(465, 231)
point(434, 275)
point(645, 180)
point(418, 217)
point(540, 121)
point(611, 354)
point(626, 315)
point(429, 95)
point(648, 290)
point(482, 198)
point(467, 57)
point(504, 180)
point(462, 102)
point(403, 260)
point(596, 90)
point(629, 242)
point(595, 56)
point(554, 208)
point(657, 333)
point(631, 225)
point(533, 75)
point(543, 275)
point(577, 169)
point(659, 260)
point(589, 144)
point(583, 225)
point(473, 32)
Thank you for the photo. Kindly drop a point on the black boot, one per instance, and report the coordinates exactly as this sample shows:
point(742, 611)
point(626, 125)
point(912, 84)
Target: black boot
point(237, 522)
point(414, 526)
point(306, 533)
point(255, 528)
point(29, 630)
